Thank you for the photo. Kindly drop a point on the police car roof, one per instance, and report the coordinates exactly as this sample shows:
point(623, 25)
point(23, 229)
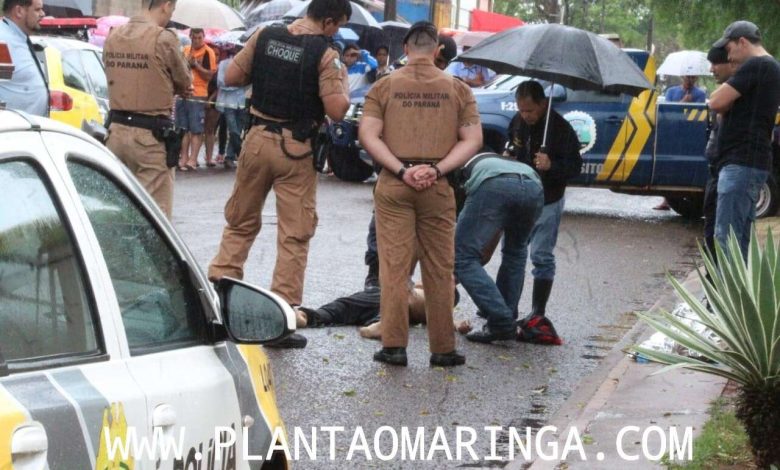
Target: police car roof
point(12, 120)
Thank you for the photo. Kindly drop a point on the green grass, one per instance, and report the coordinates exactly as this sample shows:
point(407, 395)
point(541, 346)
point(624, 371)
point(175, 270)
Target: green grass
point(721, 444)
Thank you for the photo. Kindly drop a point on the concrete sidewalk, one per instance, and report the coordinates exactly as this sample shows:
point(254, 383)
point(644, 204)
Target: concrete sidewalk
point(623, 393)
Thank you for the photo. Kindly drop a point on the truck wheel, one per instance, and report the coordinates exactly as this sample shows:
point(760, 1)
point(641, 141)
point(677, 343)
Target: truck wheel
point(690, 206)
point(768, 198)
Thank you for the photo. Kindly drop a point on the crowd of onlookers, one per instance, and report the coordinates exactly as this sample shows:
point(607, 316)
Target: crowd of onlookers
point(216, 113)
point(364, 68)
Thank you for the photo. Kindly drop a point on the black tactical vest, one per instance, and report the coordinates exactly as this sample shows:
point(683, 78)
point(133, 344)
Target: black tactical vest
point(285, 74)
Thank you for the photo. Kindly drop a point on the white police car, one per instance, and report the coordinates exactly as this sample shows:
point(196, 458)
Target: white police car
point(110, 335)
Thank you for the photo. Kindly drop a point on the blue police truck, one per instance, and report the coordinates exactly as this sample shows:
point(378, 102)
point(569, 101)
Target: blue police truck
point(639, 146)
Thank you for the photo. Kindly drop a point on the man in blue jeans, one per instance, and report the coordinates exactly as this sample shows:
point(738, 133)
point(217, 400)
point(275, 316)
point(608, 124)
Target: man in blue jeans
point(748, 104)
point(501, 194)
point(231, 102)
point(556, 163)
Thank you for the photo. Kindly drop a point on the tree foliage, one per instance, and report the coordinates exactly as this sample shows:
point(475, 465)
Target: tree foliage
point(629, 18)
point(672, 24)
point(699, 23)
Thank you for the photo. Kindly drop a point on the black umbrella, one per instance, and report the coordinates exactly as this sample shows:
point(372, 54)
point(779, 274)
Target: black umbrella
point(560, 54)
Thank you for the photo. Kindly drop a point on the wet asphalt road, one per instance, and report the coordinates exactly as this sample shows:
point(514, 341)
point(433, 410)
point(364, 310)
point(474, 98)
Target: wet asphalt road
point(613, 251)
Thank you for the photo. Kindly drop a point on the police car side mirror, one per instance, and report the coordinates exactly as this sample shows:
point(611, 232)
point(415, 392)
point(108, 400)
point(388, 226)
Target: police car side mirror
point(252, 315)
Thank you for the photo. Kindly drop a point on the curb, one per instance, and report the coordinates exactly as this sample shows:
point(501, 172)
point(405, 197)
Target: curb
point(595, 391)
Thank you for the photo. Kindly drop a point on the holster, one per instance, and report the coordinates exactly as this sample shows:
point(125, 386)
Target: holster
point(162, 129)
point(301, 130)
point(321, 144)
point(172, 138)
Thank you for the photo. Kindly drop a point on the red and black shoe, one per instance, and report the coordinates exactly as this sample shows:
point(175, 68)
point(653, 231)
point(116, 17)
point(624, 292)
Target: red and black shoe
point(538, 329)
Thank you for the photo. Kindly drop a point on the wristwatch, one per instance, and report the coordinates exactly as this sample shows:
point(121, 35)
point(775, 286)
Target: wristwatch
point(400, 173)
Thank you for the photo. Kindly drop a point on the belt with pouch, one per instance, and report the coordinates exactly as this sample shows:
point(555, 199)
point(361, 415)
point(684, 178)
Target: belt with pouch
point(272, 126)
point(162, 128)
point(301, 131)
point(143, 121)
point(411, 163)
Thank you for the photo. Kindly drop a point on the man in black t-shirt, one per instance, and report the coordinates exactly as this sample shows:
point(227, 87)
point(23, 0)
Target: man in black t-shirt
point(748, 104)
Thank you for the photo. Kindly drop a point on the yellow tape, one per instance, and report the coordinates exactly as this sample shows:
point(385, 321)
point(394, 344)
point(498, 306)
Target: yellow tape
point(213, 103)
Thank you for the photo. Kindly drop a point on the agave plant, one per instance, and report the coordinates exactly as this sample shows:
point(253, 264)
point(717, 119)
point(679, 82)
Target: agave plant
point(744, 313)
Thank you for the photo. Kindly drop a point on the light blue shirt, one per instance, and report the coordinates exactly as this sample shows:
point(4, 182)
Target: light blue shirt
point(494, 166)
point(26, 90)
point(676, 93)
point(231, 97)
point(471, 72)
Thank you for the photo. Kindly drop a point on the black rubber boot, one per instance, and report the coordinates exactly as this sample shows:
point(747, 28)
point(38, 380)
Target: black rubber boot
point(541, 293)
point(372, 278)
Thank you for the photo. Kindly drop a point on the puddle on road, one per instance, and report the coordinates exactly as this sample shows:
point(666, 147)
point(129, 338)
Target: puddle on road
point(608, 336)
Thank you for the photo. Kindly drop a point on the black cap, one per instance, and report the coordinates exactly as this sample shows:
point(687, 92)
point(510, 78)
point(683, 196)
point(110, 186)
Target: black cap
point(718, 55)
point(422, 26)
point(736, 30)
point(449, 49)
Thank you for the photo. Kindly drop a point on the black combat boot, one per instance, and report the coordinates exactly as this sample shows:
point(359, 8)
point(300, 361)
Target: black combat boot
point(392, 356)
point(294, 341)
point(449, 359)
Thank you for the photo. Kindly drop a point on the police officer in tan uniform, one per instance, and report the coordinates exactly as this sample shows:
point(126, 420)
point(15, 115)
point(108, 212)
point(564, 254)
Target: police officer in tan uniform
point(419, 123)
point(297, 78)
point(145, 68)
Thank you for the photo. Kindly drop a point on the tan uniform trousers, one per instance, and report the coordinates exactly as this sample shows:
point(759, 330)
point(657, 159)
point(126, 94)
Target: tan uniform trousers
point(409, 223)
point(262, 166)
point(144, 155)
